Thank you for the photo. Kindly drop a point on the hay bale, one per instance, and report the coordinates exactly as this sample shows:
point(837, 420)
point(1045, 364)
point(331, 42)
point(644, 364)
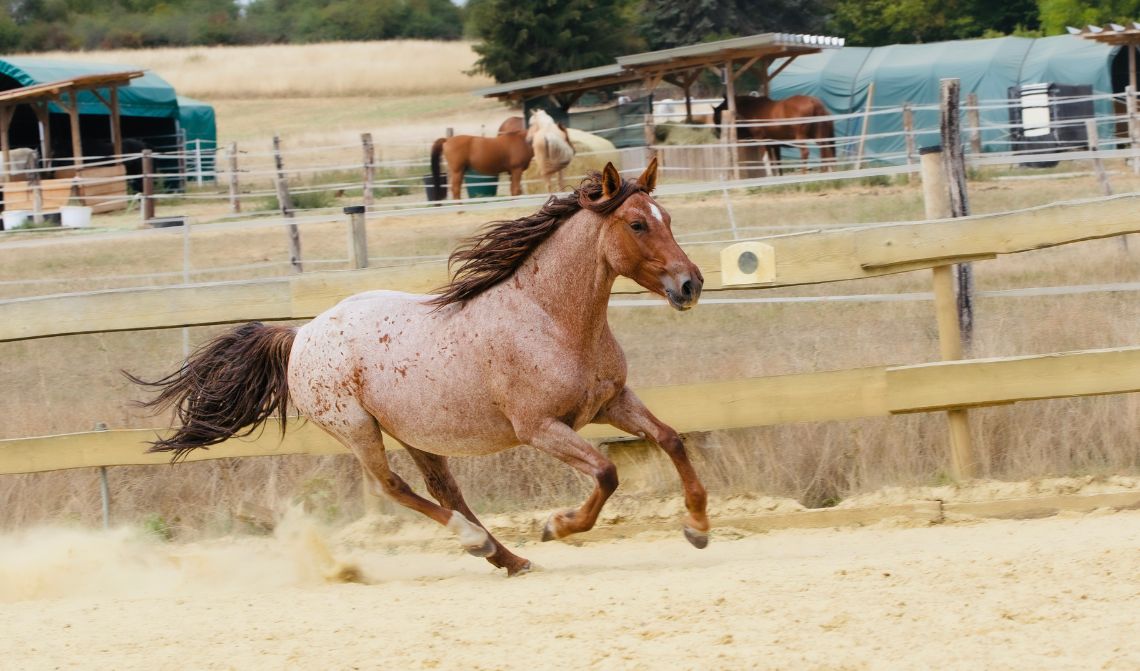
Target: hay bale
point(597, 150)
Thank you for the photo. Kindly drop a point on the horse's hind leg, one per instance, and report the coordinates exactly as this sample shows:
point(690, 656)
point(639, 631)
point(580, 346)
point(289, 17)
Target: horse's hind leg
point(629, 414)
point(442, 485)
point(360, 433)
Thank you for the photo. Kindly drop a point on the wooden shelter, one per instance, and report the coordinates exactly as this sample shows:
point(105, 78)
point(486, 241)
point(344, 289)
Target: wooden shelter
point(1116, 35)
point(65, 95)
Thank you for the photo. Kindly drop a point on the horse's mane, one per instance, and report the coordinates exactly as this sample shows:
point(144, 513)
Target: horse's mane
point(497, 251)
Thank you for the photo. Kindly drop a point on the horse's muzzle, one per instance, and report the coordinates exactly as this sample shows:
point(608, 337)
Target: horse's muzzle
point(686, 295)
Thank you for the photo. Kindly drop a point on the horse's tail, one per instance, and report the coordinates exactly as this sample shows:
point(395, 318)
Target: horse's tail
point(825, 136)
point(436, 174)
point(228, 387)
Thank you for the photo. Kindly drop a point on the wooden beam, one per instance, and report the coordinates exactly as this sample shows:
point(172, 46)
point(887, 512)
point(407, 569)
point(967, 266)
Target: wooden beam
point(783, 65)
point(6, 113)
point(744, 68)
point(692, 407)
point(983, 382)
point(43, 116)
point(116, 122)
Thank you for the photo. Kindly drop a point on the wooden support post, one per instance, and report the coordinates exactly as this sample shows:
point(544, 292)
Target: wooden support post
point(1098, 165)
point(650, 138)
point(285, 203)
point(116, 123)
point(908, 132)
point(235, 198)
point(369, 168)
point(76, 137)
point(357, 236)
point(1133, 127)
point(5, 144)
point(866, 123)
point(44, 118)
point(37, 198)
point(729, 120)
point(954, 162)
point(936, 196)
point(974, 120)
point(146, 208)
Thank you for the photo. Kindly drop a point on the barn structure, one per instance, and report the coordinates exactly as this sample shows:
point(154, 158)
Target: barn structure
point(77, 114)
point(846, 79)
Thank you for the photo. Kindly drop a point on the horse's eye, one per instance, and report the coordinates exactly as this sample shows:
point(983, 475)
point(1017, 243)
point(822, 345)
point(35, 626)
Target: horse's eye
point(639, 226)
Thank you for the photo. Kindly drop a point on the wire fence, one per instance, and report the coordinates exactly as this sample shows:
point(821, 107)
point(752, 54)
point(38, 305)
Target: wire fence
point(339, 172)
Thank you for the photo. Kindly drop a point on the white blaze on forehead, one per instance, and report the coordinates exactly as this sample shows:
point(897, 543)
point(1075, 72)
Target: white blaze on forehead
point(656, 212)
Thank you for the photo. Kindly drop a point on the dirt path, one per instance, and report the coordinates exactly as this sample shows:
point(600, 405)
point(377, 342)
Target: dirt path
point(1061, 592)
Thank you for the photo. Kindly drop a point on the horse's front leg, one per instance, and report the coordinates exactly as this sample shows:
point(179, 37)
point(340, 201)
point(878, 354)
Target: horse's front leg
point(629, 414)
point(560, 441)
point(516, 182)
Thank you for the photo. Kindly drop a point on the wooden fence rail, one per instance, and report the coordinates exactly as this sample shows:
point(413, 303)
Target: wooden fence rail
point(706, 406)
point(808, 258)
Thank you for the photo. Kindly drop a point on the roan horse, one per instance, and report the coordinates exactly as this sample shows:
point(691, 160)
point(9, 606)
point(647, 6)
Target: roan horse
point(506, 152)
point(553, 150)
point(821, 131)
point(516, 350)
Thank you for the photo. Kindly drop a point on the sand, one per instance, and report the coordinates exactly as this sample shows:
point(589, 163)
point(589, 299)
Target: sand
point(1055, 593)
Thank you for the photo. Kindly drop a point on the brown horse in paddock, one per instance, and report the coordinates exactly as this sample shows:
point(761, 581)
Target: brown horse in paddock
point(516, 350)
point(509, 151)
point(759, 109)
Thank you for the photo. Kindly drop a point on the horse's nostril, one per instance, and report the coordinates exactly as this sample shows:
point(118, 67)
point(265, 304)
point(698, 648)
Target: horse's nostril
point(687, 289)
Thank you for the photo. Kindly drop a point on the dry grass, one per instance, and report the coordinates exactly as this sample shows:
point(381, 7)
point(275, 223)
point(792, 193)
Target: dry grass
point(281, 71)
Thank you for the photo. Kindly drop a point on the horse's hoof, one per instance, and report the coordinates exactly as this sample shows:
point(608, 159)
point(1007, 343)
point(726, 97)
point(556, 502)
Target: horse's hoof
point(520, 570)
point(699, 539)
point(548, 531)
point(485, 550)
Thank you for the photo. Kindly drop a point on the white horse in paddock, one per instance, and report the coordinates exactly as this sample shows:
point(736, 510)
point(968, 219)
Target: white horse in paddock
point(552, 148)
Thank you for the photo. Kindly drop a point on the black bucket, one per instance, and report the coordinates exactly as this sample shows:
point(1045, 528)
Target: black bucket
point(433, 193)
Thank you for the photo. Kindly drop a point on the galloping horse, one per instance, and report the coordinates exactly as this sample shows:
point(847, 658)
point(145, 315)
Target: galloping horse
point(552, 148)
point(506, 152)
point(515, 350)
point(752, 108)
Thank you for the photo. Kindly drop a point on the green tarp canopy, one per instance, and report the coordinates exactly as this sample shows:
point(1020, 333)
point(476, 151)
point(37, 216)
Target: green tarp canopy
point(197, 120)
point(910, 73)
point(146, 96)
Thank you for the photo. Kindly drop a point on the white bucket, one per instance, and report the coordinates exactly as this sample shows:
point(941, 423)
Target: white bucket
point(75, 216)
point(15, 219)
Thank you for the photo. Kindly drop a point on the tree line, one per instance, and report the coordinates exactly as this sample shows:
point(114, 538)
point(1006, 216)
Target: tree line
point(526, 38)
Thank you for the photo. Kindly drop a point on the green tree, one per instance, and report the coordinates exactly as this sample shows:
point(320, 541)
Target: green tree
point(519, 40)
point(879, 22)
point(1057, 14)
point(672, 23)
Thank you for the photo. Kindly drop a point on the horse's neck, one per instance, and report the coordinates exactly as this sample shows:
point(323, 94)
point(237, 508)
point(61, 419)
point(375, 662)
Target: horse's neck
point(567, 277)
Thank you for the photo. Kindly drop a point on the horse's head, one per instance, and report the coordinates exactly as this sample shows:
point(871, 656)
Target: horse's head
point(717, 112)
point(637, 240)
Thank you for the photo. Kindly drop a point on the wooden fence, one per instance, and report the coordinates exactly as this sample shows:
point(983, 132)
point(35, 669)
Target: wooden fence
point(808, 258)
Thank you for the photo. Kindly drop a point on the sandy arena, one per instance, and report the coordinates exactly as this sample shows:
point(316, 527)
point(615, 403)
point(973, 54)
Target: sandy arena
point(1055, 593)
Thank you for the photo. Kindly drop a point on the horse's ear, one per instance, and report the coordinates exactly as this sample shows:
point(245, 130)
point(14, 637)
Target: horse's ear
point(611, 181)
point(648, 179)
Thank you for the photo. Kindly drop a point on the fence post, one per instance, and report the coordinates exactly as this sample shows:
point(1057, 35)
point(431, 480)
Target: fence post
point(1133, 126)
point(182, 173)
point(1098, 165)
point(357, 236)
point(866, 121)
point(908, 132)
point(235, 199)
point(37, 195)
point(198, 162)
point(936, 196)
point(369, 167)
point(147, 205)
point(974, 119)
point(650, 138)
point(954, 162)
point(286, 205)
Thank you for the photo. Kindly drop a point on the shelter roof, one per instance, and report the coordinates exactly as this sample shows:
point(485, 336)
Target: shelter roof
point(635, 67)
point(1113, 33)
point(50, 90)
point(145, 95)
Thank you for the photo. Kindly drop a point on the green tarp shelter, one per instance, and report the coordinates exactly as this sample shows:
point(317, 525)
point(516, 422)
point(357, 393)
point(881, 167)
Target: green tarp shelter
point(147, 96)
point(910, 73)
point(197, 120)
